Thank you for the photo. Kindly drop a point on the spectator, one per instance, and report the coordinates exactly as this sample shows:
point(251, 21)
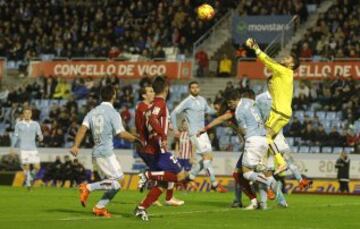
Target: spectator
point(53, 172)
point(10, 162)
point(78, 173)
point(67, 171)
point(202, 61)
point(343, 167)
point(334, 138)
point(295, 127)
point(225, 66)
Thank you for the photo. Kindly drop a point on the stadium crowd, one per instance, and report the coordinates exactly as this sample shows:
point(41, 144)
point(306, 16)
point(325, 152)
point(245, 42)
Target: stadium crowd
point(326, 113)
point(30, 29)
point(336, 34)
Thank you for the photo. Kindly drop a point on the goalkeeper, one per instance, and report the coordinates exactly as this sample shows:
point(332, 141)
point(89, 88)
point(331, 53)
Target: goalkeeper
point(280, 86)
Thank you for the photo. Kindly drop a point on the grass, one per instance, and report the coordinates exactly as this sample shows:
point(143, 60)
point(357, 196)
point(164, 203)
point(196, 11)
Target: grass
point(60, 208)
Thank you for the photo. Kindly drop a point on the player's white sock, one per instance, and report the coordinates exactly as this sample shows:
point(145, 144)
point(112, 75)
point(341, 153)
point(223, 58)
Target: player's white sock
point(106, 198)
point(294, 169)
point(210, 169)
point(103, 185)
point(257, 177)
point(195, 170)
point(28, 178)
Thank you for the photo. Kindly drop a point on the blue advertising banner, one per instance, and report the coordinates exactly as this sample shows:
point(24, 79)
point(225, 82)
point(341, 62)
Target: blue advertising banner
point(264, 29)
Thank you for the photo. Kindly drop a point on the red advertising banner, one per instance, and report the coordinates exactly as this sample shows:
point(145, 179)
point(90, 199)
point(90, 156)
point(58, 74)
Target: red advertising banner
point(2, 68)
point(121, 69)
point(307, 70)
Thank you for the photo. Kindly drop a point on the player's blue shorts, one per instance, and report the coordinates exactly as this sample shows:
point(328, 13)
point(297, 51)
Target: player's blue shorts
point(161, 162)
point(185, 164)
point(149, 160)
point(239, 162)
point(167, 162)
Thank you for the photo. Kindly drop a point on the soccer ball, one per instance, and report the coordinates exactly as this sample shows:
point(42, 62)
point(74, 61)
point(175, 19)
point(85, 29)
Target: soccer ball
point(205, 12)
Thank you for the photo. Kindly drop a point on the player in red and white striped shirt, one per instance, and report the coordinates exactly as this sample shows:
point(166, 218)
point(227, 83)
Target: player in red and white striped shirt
point(184, 148)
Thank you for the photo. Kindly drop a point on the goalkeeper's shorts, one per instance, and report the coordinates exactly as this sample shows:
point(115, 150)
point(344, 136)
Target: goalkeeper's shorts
point(277, 121)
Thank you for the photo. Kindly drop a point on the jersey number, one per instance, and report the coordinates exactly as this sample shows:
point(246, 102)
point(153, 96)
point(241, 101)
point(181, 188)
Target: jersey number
point(98, 122)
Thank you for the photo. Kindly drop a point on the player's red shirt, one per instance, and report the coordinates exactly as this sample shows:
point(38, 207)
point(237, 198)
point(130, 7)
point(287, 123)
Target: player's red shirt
point(157, 124)
point(140, 121)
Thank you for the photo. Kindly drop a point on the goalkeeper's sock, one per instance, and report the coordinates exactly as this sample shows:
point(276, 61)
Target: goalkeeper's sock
point(106, 198)
point(28, 178)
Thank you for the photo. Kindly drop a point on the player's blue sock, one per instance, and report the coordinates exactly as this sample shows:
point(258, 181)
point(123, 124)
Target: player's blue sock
point(263, 196)
point(195, 170)
point(107, 197)
point(237, 193)
point(279, 194)
point(293, 168)
point(209, 167)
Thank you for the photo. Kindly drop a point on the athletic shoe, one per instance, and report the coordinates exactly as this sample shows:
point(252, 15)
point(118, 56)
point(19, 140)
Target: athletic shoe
point(236, 204)
point(270, 194)
point(174, 202)
point(219, 188)
point(84, 194)
point(252, 206)
point(141, 213)
point(305, 183)
point(103, 212)
point(142, 181)
point(283, 205)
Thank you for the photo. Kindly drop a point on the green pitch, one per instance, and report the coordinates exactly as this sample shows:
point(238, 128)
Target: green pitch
point(60, 208)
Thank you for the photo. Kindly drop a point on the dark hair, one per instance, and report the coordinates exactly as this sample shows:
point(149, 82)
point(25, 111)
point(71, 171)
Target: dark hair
point(193, 82)
point(142, 92)
point(159, 84)
point(223, 105)
point(232, 95)
point(296, 61)
point(107, 93)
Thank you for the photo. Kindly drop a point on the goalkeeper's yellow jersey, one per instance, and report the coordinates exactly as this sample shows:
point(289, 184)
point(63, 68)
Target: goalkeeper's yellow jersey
point(280, 85)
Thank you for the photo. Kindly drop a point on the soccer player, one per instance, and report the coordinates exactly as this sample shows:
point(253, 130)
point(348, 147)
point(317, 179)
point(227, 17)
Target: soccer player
point(227, 116)
point(104, 122)
point(264, 102)
point(167, 167)
point(194, 107)
point(184, 148)
point(25, 133)
point(147, 95)
point(280, 87)
point(249, 120)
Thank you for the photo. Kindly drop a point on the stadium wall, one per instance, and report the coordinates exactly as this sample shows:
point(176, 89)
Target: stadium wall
point(312, 165)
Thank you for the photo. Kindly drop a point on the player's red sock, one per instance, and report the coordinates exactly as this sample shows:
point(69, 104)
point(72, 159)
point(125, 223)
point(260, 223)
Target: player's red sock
point(246, 188)
point(170, 191)
point(169, 194)
point(162, 176)
point(236, 177)
point(151, 197)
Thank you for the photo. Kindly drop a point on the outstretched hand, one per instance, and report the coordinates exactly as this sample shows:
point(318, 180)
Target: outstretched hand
point(252, 44)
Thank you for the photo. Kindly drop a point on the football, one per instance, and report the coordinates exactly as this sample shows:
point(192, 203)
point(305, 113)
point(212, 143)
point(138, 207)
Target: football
point(205, 12)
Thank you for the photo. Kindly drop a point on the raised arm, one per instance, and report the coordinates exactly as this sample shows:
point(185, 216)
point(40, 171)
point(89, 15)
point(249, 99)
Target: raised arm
point(219, 120)
point(263, 57)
